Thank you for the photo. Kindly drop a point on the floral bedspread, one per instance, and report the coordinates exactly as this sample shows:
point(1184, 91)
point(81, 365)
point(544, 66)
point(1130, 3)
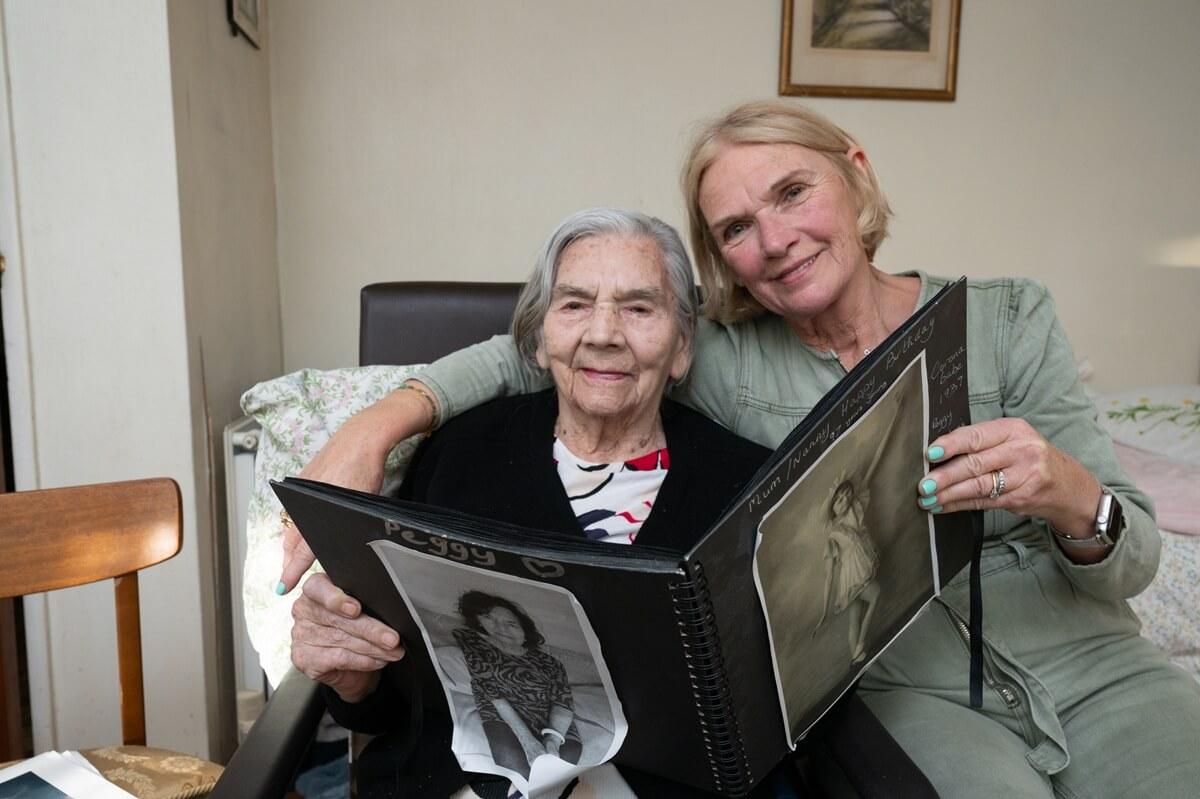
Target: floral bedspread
point(298, 412)
point(1157, 436)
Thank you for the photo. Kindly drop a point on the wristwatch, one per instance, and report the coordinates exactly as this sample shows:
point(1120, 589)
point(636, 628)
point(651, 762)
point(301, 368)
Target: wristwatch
point(1108, 526)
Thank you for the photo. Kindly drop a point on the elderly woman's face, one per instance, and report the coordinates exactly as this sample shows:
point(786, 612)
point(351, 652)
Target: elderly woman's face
point(610, 339)
point(785, 223)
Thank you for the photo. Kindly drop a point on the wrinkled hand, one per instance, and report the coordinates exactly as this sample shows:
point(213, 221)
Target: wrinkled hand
point(354, 457)
point(1040, 479)
point(334, 643)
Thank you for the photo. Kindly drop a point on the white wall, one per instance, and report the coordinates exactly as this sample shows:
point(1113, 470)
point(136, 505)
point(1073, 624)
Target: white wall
point(89, 216)
point(444, 140)
point(230, 280)
point(137, 211)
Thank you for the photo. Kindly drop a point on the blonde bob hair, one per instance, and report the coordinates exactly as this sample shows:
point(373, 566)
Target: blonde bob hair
point(771, 122)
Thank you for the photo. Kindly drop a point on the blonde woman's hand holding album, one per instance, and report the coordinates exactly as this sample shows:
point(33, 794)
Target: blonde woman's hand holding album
point(1006, 463)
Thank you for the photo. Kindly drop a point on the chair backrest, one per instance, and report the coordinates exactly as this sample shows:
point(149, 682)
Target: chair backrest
point(62, 537)
point(418, 322)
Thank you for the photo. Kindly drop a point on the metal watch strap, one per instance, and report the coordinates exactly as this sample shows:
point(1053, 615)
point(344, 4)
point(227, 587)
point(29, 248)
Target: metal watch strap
point(1107, 526)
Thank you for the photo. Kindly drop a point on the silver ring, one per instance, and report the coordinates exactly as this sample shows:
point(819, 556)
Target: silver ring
point(998, 484)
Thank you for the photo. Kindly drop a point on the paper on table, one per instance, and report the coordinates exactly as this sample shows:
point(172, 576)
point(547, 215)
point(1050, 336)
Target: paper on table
point(80, 760)
point(52, 775)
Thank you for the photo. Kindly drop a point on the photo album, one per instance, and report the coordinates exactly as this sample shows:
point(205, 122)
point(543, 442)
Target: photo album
point(706, 668)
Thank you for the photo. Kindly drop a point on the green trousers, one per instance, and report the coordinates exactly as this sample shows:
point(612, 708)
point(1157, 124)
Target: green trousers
point(1076, 703)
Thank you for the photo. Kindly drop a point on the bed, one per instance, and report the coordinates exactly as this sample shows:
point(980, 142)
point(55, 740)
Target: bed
point(1156, 432)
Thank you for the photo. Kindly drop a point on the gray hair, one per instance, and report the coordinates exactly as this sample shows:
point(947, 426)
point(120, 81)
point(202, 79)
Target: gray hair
point(534, 302)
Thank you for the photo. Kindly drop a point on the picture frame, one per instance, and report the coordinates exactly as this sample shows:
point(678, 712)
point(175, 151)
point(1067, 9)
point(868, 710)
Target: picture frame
point(895, 49)
point(246, 17)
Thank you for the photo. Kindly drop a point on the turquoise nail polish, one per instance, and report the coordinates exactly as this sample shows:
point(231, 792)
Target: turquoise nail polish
point(928, 502)
point(936, 509)
point(928, 485)
point(280, 588)
point(936, 453)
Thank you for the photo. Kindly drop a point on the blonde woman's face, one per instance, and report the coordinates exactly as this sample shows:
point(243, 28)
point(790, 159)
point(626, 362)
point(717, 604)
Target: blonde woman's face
point(785, 223)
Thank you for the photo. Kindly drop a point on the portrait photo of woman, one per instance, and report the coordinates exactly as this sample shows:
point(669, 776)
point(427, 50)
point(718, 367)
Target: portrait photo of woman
point(528, 692)
point(520, 690)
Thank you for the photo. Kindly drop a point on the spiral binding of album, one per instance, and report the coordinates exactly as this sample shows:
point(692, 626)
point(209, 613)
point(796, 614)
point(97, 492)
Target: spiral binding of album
point(710, 688)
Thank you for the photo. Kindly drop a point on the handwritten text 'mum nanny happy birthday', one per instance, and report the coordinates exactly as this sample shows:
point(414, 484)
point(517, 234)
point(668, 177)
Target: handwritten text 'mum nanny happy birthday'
point(856, 402)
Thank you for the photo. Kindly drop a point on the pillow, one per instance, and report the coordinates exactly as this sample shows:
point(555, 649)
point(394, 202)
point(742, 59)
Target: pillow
point(454, 666)
point(1165, 421)
point(298, 413)
point(1174, 486)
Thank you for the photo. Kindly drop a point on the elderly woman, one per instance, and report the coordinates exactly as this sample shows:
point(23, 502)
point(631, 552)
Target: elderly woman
point(786, 216)
point(609, 314)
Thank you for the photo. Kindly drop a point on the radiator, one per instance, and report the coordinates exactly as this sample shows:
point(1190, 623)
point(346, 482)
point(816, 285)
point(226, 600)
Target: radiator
point(241, 444)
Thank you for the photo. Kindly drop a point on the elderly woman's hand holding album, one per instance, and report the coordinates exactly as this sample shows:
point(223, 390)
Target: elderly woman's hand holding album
point(334, 643)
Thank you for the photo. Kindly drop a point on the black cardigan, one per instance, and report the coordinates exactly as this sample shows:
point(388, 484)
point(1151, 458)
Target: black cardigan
point(497, 461)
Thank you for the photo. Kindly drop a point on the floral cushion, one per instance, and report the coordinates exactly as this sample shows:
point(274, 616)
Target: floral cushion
point(298, 412)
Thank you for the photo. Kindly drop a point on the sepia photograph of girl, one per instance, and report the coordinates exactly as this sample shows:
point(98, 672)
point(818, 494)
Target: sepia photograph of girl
point(845, 556)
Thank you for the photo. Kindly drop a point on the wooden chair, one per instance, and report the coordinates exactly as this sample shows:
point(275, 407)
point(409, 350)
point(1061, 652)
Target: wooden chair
point(62, 537)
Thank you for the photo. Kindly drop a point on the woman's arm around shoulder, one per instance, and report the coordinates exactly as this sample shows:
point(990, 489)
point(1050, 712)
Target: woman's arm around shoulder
point(470, 377)
point(354, 455)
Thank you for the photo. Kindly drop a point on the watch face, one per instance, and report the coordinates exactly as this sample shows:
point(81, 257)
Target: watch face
point(1113, 528)
point(1104, 512)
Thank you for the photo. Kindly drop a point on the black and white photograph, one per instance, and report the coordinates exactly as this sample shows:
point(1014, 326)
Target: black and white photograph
point(30, 786)
point(845, 558)
point(56, 775)
point(528, 689)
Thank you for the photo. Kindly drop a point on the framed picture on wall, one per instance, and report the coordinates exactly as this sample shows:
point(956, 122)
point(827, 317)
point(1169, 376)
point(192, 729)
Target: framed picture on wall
point(245, 17)
point(895, 49)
